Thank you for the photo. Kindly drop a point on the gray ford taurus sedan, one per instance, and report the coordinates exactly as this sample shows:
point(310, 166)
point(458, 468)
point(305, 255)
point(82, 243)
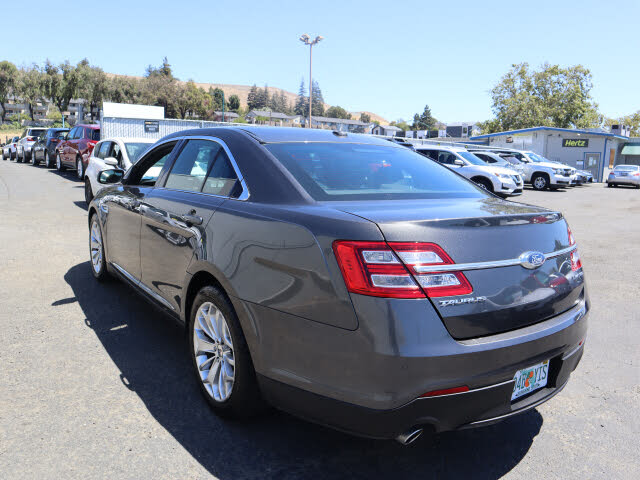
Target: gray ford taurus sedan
point(345, 279)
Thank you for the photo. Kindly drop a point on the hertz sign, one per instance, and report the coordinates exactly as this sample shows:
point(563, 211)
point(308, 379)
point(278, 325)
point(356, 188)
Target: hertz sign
point(575, 142)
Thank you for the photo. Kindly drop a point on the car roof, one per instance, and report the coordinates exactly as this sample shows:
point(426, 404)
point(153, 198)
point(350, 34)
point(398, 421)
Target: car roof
point(129, 139)
point(92, 126)
point(441, 147)
point(285, 134)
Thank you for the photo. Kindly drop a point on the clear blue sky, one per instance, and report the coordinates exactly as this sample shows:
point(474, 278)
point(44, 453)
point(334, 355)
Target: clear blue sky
point(388, 57)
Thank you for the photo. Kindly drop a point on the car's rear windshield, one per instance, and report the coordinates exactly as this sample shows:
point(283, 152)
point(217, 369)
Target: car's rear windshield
point(134, 150)
point(350, 171)
point(95, 134)
point(627, 168)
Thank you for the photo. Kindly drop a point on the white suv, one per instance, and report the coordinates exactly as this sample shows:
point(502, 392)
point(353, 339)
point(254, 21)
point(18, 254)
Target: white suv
point(541, 173)
point(497, 179)
point(109, 154)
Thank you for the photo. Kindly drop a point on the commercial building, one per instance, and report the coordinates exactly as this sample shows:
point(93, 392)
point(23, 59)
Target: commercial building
point(595, 150)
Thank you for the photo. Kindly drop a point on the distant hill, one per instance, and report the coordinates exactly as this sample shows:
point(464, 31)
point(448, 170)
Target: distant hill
point(242, 91)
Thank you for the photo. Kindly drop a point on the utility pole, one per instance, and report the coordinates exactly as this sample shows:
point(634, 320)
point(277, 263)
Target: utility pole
point(306, 39)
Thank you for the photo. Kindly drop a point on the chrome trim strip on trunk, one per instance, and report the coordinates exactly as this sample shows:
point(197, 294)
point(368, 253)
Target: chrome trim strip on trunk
point(482, 265)
point(142, 286)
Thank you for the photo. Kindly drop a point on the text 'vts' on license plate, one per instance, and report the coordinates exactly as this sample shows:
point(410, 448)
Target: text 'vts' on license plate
point(529, 379)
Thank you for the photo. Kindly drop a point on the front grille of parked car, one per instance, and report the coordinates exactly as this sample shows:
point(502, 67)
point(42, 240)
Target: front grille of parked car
point(567, 172)
point(517, 179)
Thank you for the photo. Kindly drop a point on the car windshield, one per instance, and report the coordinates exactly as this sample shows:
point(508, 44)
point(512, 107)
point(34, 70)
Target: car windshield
point(471, 158)
point(537, 158)
point(626, 168)
point(134, 150)
point(512, 160)
point(348, 171)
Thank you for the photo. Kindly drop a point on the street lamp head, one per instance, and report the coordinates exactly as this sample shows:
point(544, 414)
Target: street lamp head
point(318, 38)
point(304, 39)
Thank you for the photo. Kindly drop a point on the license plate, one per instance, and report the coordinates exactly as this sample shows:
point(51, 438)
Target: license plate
point(623, 174)
point(529, 379)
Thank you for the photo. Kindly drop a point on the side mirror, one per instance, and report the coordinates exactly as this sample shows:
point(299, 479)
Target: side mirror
point(111, 161)
point(109, 177)
point(458, 162)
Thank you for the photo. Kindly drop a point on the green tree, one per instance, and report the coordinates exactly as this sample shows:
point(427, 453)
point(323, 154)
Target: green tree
point(338, 112)
point(252, 98)
point(632, 121)
point(160, 88)
point(317, 109)
point(426, 121)
point(263, 98)
point(29, 87)
point(365, 118)
point(552, 96)
point(123, 89)
point(233, 103)
point(302, 104)
point(92, 85)
point(8, 80)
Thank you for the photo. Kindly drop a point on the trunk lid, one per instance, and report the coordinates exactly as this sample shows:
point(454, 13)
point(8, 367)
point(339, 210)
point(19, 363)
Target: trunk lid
point(487, 230)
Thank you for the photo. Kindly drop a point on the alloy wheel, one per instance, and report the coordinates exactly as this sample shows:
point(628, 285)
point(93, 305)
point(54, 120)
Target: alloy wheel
point(213, 351)
point(95, 245)
point(79, 169)
point(540, 183)
point(46, 159)
point(58, 162)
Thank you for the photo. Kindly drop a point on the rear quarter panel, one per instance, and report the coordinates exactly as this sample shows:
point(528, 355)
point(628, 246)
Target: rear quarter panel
point(282, 258)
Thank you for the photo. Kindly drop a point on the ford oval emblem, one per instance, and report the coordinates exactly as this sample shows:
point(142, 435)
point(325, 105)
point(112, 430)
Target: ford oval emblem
point(531, 260)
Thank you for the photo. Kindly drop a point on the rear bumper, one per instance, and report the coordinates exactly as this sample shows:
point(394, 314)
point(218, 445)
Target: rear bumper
point(478, 407)
point(624, 180)
point(368, 381)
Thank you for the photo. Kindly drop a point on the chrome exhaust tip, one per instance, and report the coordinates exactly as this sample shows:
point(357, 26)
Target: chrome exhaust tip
point(409, 436)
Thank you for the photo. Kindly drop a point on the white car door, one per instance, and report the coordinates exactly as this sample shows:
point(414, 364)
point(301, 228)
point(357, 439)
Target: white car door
point(97, 164)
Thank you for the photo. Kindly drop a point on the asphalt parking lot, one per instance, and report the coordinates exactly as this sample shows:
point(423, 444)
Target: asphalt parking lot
point(94, 383)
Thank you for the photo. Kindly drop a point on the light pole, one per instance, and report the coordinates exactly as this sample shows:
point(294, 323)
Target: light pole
point(306, 39)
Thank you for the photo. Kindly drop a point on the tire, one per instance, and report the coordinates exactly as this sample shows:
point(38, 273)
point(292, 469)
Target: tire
point(97, 259)
point(241, 397)
point(59, 165)
point(18, 158)
point(34, 162)
point(88, 193)
point(484, 184)
point(79, 168)
point(46, 161)
point(609, 185)
point(540, 181)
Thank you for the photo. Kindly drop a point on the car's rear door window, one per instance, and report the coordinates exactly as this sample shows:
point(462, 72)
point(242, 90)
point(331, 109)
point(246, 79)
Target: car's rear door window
point(192, 165)
point(222, 179)
point(104, 150)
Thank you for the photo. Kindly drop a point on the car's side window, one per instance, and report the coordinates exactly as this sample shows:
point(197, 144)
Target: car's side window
point(147, 170)
point(74, 133)
point(104, 150)
point(116, 153)
point(447, 158)
point(222, 179)
point(192, 165)
point(432, 154)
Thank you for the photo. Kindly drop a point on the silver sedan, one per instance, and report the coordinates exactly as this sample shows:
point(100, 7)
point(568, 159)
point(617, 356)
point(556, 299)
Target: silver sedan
point(624, 175)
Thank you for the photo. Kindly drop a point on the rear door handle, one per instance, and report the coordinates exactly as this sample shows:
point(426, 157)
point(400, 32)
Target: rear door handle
point(191, 220)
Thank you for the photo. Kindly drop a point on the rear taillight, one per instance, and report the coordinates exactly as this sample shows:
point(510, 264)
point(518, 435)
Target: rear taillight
point(393, 269)
point(636, 174)
point(576, 263)
point(54, 140)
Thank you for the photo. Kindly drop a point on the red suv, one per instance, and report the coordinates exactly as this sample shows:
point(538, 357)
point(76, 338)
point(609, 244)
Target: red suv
point(75, 150)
